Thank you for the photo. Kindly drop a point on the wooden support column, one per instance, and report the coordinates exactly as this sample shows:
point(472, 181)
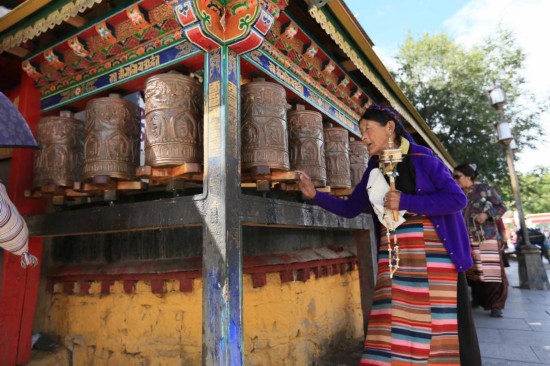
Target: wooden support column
point(222, 239)
point(20, 286)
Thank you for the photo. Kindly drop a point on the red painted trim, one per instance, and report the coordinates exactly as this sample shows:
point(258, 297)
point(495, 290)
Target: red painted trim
point(259, 280)
point(20, 286)
point(158, 272)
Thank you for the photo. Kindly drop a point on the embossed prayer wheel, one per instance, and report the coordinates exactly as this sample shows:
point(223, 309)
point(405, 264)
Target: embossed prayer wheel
point(358, 158)
point(173, 119)
point(264, 128)
point(111, 143)
point(337, 157)
point(58, 160)
point(306, 144)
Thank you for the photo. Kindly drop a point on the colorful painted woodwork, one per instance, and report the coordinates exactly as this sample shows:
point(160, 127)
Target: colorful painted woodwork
point(132, 34)
point(239, 24)
point(173, 117)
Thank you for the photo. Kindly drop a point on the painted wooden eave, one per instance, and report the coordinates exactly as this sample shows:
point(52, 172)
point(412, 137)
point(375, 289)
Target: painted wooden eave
point(34, 17)
point(20, 12)
point(348, 22)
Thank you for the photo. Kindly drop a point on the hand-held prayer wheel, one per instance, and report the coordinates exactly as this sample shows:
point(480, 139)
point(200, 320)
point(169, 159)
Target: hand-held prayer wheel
point(173, 112)
point(264, 140)
point(358, 158)
point(389, 158)
point(111, 144)
point(306, 144)
point(58, 160)
point(337, 157)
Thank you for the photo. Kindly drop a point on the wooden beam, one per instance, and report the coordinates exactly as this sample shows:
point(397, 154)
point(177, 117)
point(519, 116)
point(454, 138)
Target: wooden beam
point(77, 21)
point(259, 211)
point(150, 215)
point(20, 12)
point(348, 65)
point(18, 51)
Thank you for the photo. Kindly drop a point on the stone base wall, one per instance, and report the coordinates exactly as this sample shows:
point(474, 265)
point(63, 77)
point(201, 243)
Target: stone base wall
point(285, 323)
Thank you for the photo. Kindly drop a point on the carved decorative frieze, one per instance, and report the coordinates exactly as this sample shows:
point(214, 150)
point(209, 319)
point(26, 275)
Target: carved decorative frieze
point(337, 37)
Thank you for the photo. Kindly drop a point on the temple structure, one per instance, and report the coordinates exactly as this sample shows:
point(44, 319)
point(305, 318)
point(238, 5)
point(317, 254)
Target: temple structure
point(162, 202)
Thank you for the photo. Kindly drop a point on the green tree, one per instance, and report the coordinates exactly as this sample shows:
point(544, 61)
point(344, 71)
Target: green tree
point(535, 191)
point(449, 84)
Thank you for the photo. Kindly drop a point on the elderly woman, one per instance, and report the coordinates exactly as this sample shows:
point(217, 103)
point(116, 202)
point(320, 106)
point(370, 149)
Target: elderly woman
point(420, 312)
point(487, 278)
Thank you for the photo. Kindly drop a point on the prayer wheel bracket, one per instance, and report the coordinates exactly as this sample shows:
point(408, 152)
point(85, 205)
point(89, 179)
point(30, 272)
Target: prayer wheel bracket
point(191, 172)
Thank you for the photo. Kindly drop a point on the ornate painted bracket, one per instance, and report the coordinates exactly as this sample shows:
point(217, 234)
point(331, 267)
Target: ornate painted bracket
point(239, 24)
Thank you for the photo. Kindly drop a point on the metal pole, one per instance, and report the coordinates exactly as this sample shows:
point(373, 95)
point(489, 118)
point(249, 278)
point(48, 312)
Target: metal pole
point(514, 181)
point(517, 195)
point(532, 274)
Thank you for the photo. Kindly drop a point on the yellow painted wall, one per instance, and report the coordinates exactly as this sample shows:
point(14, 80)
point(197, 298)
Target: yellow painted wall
point(292, 323)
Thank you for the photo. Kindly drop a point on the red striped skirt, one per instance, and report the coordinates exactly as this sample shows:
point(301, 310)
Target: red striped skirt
point(413, 320)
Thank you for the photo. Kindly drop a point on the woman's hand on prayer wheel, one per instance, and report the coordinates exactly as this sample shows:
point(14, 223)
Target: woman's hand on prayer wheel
point(306, 185)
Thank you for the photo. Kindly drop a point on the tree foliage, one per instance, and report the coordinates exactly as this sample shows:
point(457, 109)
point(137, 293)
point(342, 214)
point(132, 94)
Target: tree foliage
point(449, 85)
point(535, 191)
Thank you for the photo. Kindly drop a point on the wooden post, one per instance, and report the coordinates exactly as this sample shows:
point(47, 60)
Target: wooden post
point(222, 250)
point(20, 286)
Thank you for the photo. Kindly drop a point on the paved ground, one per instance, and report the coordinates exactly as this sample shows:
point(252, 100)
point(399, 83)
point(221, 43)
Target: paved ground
point(522, 336)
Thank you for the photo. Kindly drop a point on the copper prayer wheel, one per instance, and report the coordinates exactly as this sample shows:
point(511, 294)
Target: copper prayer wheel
point(111, 143)
point(58, 160)
point(264, 129)
point(306, 144)
point(358, 158)
point(173, 119)
point(337, 157)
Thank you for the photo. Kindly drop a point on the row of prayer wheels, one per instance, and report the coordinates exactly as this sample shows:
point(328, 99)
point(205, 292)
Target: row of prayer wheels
point(286, 140)
point(108, 143)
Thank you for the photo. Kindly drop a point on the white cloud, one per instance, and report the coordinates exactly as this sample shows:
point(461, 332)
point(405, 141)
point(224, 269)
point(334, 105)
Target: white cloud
point(387, 58)
point(528, 19)
point(4, 11)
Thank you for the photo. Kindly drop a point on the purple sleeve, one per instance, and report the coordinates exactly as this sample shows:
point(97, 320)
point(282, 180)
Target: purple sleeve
point(351, 207)
point(446, 197)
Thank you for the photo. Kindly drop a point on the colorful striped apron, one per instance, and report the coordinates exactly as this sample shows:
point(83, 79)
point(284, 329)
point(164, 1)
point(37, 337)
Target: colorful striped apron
point(413, 320)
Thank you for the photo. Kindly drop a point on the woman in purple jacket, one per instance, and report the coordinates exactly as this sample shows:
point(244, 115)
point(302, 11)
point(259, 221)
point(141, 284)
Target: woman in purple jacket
point(420, 312)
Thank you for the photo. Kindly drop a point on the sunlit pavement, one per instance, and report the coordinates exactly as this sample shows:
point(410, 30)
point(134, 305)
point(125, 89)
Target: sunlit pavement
point(522, 336)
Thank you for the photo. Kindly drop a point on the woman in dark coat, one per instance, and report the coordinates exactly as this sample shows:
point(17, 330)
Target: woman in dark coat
point(487, 278)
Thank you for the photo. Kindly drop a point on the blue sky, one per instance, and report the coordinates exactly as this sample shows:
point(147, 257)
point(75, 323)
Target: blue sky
point(387, 22)
point(467, 22)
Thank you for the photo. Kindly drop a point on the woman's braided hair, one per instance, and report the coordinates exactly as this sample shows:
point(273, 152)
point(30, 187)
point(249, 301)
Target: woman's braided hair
point(383, 115)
